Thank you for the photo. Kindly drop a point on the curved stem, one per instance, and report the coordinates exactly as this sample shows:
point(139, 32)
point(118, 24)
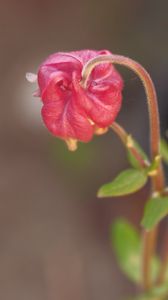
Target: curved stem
point(120, 131)
point(158, 181)
point(149, 238)
point(129, 144)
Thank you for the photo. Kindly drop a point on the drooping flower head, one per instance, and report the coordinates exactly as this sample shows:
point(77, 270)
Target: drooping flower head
point(69, 111)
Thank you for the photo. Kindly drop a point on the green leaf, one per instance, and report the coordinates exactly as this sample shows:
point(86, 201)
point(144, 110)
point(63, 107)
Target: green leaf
point(164, 150)
point(160, 291)
point(156, 293)
point(127, 182)
point(156, 209)
point(133, 161)
point(128, 249)
point(126, 244)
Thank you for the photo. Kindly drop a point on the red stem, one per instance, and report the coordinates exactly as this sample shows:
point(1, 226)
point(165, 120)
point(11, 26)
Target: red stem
point(158, 183)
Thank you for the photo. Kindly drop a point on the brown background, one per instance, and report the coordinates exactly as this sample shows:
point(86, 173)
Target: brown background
point(54, 232)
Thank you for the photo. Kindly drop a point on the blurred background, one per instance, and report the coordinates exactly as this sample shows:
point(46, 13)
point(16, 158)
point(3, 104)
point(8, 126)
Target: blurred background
point(54, 232)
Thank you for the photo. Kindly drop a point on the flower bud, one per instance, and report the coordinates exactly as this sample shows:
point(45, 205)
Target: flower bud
point(71, 112)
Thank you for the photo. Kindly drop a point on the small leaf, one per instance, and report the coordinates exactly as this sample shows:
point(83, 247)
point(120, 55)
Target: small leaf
point(164, 150)
point(128, 249)
point(133, 161)
point(127, 182)
point(126, 244)
point(156, 209)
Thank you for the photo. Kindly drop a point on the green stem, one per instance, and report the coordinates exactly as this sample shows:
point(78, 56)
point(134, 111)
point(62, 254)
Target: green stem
point(149, 238)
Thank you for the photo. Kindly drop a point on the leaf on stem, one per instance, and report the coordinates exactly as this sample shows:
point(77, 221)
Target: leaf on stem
point(126, 244)
point(128, 249)
point(156, 209)
point(127, 182)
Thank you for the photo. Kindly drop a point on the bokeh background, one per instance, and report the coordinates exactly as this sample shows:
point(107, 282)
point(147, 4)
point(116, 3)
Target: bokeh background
point(54, 232)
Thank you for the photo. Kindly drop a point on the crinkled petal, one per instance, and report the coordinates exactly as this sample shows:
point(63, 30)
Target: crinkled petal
point(57, 87)
point(58, 63)
point(102, 106)
point(85, 55)
point(62, 58)
point(69, 111)
point(67, 121)
point(101, 113)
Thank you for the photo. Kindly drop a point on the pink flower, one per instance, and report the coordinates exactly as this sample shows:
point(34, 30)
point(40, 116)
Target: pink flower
point(69, 111)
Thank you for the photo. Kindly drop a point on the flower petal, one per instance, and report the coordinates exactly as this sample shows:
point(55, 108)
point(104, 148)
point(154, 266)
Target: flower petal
point(69, 111)
point(59, 62)
point(101, 113)
point(101, 107)
point(62, 58)
point(67, 121)
point(56, 87)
